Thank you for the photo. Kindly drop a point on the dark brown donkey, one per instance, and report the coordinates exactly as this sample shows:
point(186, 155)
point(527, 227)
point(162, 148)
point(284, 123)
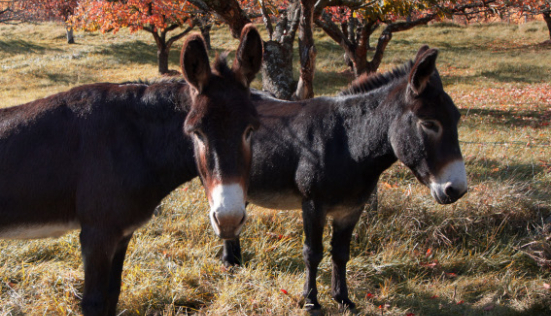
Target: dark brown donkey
point(101, 157)
point(326, 155)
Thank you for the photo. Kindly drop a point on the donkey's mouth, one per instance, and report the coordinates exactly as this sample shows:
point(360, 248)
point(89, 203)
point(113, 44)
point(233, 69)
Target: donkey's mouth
point(227, 235)
point(448, 197)
point(450, 184)
point(229, 230)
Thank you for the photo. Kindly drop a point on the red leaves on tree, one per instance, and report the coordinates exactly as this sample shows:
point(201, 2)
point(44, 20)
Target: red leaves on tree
point(109, 16)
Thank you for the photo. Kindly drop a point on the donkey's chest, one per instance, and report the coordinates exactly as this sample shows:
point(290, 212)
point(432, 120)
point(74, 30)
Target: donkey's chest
point(282, 200)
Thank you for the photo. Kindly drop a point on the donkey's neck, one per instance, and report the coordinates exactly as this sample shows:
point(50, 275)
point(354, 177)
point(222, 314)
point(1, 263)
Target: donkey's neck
point(159, 111)
point(367, 118)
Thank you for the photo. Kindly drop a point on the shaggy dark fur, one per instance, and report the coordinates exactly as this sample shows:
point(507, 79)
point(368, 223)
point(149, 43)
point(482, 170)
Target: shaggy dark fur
point(325, 155)
point(101, 157)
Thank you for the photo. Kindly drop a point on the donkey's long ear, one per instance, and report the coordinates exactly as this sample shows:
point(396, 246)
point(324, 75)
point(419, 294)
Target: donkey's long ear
point(421, 71)
point(422, 50)
point(195, 62)
point(248, 57)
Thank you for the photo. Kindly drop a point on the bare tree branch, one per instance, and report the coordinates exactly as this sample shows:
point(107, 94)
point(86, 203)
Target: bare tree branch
point(180, 35)
point(228, 11)
point(266, 19)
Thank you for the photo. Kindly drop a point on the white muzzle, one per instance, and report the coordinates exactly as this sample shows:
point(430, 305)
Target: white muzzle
point(451, 184)
point(227, 210)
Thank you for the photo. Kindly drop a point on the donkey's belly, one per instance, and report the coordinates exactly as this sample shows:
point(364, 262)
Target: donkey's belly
point(32, 231)
point(276, 200)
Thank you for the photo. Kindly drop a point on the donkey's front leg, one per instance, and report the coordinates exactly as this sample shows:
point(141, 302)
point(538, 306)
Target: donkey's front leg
point(98, 249)
point(340, 251)
point(231, 252)
point(231, 255)
point(314, 221)
point(115, 275)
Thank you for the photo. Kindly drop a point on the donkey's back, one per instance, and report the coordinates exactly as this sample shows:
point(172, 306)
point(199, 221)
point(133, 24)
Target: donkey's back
point(68, 156)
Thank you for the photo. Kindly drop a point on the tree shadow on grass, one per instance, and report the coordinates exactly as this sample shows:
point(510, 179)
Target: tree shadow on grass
point(504, 73)
point(326, 47)
point(421, 304)
point(66, 79)
point(138, 52)
point(481, 170)
point(331, 82)
point(508, 118)
point(70, 78)
point(131, 52)
point(16, 46)
point(508, 72)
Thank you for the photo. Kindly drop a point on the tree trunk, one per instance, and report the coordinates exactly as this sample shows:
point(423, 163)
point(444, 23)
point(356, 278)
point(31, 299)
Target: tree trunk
point(359, 65)
point(70, 36)
point(277, 62)
point(375, 62)
point(307, 52)
point(228, 11)
point(277, 69)
point(162, 57)
point(205, 32)
point(163, 46)
point(547, 19)
point(371, 27)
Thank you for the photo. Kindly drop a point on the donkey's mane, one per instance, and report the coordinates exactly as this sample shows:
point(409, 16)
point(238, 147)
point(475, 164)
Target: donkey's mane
point(221, 66)
point(368, 82)
point(148, 82)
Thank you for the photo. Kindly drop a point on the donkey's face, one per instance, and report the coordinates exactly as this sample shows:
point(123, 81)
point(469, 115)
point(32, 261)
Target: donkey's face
point(424, 137)
point(221, 121)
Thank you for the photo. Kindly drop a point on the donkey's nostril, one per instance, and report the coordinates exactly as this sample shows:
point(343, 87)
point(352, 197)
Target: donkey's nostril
point(216, 219)
point(243, 220)
point(450, 191)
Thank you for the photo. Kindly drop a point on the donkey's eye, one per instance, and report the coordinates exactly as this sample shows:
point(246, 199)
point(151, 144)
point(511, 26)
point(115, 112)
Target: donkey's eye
point(431, 126)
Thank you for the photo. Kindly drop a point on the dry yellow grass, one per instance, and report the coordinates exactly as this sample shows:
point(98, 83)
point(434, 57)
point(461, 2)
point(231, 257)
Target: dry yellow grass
point(480, 256)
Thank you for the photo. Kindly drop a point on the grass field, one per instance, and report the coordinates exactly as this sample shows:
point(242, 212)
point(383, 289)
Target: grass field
point(487, 254)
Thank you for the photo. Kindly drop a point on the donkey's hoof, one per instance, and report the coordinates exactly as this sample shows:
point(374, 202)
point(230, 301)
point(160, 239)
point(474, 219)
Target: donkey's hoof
point(229, 260)
point(313, 308)
point(348, 307)
point(348, 310)
point(229, 263)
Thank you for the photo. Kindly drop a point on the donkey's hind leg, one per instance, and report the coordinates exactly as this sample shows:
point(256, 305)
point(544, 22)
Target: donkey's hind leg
point(314, 221)
point(98, 250)
point(340, 251)
point(231, 255)
point(115, 275)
